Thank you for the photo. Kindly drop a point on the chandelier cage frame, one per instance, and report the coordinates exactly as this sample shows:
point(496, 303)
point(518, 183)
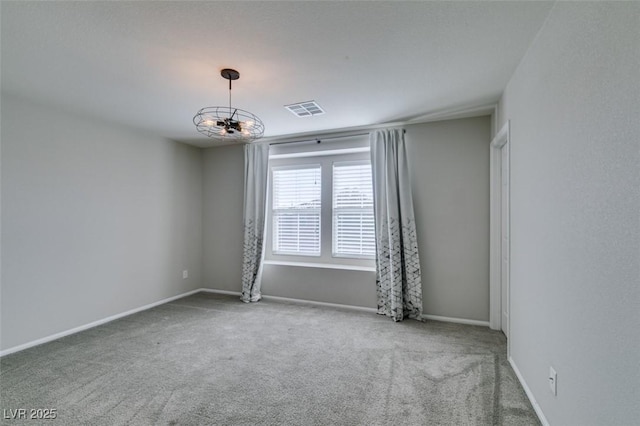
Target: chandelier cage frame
point(228, 123)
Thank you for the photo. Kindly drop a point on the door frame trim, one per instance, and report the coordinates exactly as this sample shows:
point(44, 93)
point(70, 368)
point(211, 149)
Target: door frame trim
point(495, 229)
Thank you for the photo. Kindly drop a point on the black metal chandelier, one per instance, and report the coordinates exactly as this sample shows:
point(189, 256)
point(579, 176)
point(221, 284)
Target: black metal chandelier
point(229, 123)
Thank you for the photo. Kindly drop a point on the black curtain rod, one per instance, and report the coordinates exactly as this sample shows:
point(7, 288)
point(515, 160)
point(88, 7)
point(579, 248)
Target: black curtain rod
point(319, 140)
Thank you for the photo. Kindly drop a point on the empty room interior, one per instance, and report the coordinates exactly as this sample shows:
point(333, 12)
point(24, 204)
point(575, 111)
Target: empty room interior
point(318, 212)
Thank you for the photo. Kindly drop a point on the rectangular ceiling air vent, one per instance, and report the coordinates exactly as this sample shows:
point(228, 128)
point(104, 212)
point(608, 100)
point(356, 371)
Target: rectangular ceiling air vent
point(305, 109)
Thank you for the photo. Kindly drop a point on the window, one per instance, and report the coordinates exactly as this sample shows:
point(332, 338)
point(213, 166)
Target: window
point(296, 210)
point(321, 208)
point(353, 227)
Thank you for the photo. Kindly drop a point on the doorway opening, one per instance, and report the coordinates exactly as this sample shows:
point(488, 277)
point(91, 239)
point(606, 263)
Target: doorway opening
point(500, 259)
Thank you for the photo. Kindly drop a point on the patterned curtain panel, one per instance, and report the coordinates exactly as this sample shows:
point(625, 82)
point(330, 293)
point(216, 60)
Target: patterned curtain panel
point(398, 278)
point(256, 172)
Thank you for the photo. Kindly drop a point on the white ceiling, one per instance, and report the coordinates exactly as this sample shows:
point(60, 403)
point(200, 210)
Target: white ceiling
point(152, 65)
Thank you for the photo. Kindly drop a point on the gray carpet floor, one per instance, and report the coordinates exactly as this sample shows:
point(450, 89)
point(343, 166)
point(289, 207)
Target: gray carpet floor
point(210, 359)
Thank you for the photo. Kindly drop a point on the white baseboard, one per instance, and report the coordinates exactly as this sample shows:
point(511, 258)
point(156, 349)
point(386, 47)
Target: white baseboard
point(213, 290)
point(94, 324)
point(323, 304)
point(536, 407)
point(298, 301)
point(350, 307)
point(456, 320)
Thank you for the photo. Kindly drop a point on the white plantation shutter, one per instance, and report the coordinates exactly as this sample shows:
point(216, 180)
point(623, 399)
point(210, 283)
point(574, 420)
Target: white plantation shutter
point(296, 210)
point(353, 225)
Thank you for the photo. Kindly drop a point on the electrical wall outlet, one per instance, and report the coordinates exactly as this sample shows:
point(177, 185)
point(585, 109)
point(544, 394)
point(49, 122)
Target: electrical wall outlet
point(185, 274)
point(553, 381)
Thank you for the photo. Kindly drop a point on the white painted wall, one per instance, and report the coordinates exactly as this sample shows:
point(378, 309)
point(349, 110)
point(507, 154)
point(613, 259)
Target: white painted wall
point(574, 106)
point(223, 189)
point(343, 287)
point(96, 220)
point(449, 163)
point(450, 171)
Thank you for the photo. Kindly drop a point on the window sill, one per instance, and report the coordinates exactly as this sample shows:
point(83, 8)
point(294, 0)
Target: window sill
point(321, 265)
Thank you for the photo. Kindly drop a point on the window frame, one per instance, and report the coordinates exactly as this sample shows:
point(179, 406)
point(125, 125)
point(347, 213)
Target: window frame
point(326, 161)
point(272, 170)
point(347, 163)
